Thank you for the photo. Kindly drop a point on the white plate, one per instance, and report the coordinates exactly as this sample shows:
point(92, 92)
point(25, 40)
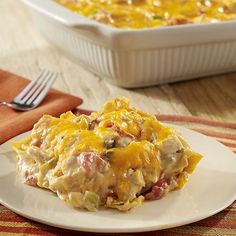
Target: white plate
point(211, 188)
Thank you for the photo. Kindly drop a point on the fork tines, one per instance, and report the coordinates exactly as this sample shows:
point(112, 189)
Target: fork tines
point(36, 90)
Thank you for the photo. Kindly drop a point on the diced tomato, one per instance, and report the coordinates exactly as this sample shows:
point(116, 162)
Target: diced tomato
point(91, 162)
point(109, 124)
point(30, 179)
point(179, 21)
point(87, 163)
point(111, 193)
point(37, 143)
point(158, 190)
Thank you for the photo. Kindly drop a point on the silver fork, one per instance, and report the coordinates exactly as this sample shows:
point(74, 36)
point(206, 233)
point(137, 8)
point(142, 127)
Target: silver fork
point(33, 94)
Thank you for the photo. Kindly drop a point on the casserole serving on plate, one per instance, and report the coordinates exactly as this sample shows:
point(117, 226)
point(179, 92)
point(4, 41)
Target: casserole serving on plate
point(138, 57)
point(115, 158)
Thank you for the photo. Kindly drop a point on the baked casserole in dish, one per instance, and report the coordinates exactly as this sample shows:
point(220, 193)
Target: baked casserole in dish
point(140, 14)
point(115, 158)
point(149, 46)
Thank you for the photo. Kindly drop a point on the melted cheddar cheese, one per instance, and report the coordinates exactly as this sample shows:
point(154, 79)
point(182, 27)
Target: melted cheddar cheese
point(138, 14)
point(115, 157)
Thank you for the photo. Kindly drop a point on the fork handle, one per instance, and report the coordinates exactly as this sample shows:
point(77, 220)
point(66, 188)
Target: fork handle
point(5, 104)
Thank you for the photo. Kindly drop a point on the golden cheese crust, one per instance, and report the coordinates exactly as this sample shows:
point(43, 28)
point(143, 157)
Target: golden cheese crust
point(139, 14)
point(116, 157)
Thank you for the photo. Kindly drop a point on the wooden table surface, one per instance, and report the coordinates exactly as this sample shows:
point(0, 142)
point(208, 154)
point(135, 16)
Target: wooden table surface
point(24, 51)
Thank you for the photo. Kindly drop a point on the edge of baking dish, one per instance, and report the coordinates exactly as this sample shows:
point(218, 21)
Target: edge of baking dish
point(138, 58)
point(178, 35)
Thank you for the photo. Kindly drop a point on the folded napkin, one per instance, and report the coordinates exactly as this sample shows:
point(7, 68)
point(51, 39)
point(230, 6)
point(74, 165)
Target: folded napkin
point(223, 223)
point(14, 122)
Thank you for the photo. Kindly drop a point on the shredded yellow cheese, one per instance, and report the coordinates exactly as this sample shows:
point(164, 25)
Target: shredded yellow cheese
point(138, 14)
point(109, 158)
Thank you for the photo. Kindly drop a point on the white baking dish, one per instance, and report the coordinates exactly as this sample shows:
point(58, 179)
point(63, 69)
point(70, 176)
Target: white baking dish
point(136, 58)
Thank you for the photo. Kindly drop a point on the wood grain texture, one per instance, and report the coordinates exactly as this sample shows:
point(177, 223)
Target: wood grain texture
point(24, 51)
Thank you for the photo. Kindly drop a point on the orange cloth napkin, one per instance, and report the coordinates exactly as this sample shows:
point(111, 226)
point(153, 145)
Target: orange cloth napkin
point(14, 122)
